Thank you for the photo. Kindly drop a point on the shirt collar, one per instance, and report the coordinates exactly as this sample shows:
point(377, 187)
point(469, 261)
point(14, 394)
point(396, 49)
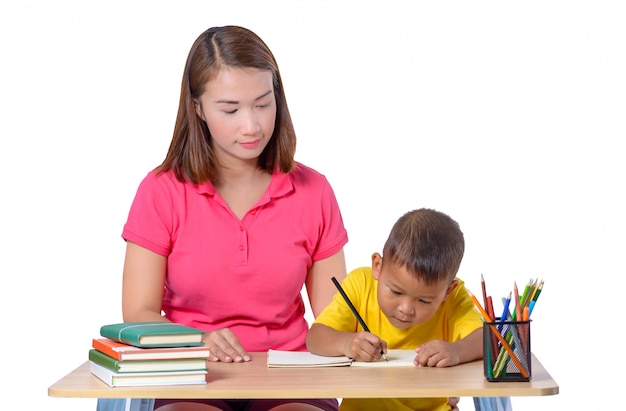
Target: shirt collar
point(281, 185)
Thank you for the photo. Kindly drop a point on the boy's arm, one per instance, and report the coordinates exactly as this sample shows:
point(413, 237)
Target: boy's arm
point(361, 346)
point(470, 348)
point(444, 354)
point(324, 340)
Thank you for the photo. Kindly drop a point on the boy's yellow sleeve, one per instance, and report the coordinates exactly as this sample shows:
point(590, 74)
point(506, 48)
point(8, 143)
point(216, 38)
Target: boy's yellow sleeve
point(338, 314)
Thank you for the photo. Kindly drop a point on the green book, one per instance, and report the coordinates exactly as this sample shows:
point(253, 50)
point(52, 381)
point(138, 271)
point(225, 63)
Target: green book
point(153, 334)
point(188, 364)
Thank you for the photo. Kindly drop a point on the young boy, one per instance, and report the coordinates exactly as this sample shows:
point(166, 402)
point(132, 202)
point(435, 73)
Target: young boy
point(409, 298)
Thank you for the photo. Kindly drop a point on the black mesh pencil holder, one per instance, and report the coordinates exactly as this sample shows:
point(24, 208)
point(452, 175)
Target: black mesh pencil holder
point(506, 351)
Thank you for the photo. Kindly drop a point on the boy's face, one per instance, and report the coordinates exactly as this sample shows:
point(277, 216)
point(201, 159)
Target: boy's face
point(404, 299)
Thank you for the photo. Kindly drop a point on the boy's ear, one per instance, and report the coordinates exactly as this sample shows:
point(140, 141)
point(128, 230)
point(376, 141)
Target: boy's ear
point(454, 284)
point(377, 263)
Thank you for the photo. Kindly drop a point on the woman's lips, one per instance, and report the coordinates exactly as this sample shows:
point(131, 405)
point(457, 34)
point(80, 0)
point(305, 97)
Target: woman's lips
point(250, 144)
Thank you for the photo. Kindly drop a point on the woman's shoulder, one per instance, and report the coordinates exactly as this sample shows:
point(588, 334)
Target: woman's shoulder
point(155, 176)
point(305, 170)
point(303, 173)
point(155, 180)
point(166, 183)
point(168, 179)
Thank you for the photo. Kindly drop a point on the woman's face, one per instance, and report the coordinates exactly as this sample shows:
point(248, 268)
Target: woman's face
point(239, 108)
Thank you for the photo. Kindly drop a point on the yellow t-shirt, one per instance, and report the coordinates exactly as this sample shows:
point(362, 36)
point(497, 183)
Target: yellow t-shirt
point(455, 319)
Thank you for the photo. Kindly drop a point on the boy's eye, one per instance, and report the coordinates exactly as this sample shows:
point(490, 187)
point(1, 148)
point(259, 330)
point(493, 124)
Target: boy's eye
point(424, 301)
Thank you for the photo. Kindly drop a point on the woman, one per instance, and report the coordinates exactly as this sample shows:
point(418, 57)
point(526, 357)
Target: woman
point(225, 232)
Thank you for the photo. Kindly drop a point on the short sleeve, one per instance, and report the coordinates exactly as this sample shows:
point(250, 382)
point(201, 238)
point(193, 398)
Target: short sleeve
point(150, 219)
point(464, 319)
point(333, 235)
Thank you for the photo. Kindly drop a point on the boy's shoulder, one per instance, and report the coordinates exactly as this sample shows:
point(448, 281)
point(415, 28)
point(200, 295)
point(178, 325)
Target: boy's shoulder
point(359, 280)
point(460, 288)
point(361, 271)
point(360, 274)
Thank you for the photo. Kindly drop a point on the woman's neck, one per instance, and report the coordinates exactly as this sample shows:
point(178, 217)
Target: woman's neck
point(242, 188)
point(242, 175)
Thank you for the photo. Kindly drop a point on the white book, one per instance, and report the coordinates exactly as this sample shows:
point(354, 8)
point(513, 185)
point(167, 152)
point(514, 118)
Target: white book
point(305, 359)
point(395, 358)
point(138, 379)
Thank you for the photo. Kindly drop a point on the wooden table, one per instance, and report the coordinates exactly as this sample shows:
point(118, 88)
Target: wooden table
point(255, 380)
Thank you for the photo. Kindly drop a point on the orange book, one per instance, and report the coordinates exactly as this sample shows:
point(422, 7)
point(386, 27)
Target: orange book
point(122, 352)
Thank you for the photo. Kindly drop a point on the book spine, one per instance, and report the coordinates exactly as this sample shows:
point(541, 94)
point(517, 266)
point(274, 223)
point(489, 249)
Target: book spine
point(105, 349)
point(104, 360)
point(101, 373)
point(124, 333)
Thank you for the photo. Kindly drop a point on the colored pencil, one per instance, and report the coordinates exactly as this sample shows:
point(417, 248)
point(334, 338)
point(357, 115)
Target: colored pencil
point(538, 291)
point(517, 313)
point(484, 288)
point(524, 298)
point(512, 337)
point(495, 331)
point(505, 312)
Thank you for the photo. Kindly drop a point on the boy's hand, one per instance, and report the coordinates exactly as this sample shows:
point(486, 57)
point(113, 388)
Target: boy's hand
point(453, 403)
point(436, 353)
point(364, 346)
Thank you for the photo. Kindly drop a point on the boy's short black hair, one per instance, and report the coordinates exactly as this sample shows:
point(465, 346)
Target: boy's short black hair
point(428, 243)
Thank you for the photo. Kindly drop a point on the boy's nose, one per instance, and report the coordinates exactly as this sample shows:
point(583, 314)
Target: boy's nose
point(406, 309)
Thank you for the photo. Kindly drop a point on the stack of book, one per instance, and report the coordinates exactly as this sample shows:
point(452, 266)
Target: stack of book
point(149, 353)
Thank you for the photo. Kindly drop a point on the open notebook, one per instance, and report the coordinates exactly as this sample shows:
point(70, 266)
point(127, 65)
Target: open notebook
point(304, 359)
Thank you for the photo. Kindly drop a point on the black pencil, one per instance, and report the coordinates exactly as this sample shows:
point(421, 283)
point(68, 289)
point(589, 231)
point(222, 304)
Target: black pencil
point(354, 311)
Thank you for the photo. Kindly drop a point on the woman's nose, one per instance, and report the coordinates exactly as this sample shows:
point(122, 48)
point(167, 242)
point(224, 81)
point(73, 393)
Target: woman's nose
point(249, 123)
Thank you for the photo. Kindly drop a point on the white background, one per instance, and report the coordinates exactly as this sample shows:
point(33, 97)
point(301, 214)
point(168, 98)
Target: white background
point(509, 117)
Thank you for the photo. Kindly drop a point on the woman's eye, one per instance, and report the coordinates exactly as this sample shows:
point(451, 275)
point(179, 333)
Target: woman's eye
point(230, 111)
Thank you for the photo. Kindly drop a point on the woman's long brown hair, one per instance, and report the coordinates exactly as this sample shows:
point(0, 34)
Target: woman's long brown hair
point(191, 155)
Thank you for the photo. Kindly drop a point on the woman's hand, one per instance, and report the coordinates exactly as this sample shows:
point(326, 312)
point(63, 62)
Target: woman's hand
point(225, 346)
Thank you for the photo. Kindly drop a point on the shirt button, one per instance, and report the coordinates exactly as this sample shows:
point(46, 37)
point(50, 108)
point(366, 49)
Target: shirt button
point(240, 228)
point(240, 248)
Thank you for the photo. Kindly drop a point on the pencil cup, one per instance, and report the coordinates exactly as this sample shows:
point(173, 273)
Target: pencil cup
point(506, 351)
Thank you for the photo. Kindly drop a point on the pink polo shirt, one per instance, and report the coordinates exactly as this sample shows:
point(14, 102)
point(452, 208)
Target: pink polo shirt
point(242, 274)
